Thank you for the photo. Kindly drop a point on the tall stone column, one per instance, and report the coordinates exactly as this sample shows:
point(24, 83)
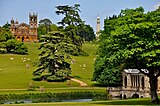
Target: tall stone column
point(98, 27)
point(129, 81)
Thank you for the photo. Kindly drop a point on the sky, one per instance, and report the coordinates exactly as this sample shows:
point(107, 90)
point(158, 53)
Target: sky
point(90, 9)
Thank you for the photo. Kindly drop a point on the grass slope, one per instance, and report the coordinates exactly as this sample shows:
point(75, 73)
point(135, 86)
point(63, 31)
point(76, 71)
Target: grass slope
point(78, 70)
point(15, 75)
point(15, 78)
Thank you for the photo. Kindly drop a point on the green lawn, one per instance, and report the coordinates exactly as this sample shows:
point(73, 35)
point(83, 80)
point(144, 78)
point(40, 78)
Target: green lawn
point(15, 75)
point(78, 70)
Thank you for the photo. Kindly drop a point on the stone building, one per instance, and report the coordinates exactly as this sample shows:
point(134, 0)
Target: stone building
point(135, 84)
point(25, 32)
point(98, 27)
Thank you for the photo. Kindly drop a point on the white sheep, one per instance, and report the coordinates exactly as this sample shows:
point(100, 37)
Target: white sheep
point(11, 58)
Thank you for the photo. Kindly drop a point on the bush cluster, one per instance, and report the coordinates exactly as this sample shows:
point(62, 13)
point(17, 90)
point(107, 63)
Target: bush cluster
point(56, 79)
point(49, 78)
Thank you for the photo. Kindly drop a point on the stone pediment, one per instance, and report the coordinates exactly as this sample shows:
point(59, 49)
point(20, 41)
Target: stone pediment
point(134, 71)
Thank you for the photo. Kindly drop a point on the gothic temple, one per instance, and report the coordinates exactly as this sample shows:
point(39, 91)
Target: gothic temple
point(25, 32)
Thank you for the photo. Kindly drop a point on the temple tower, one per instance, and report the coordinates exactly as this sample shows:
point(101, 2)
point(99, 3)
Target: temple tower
point(33, 23)
point(12, 27)
point(33, 20)
point(98, 27)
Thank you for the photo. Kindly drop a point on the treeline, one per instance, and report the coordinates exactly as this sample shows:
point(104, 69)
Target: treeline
point(45, 26)
point(71, 21)
point(130, 40)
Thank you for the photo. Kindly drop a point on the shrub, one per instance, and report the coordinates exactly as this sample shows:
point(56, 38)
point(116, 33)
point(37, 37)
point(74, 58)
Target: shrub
point(45, 76)
point(63, 73)
point(1, 102)
point(37, 78)
point(56, 79)
point(21, 49)
point(18, 102)
point(14, 46)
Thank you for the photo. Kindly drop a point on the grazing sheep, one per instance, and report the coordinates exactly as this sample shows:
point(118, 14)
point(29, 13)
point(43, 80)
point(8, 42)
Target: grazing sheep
point(84, 65)
point(11, 58)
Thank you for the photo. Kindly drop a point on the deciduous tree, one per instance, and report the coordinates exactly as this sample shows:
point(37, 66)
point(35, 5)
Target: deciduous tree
point(131, 41)
point(9, 44)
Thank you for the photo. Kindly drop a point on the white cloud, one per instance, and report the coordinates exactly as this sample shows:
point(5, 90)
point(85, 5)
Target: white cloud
point(157, 5)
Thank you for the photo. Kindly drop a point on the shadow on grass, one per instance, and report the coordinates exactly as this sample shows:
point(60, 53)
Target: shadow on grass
point(77, 77)
point(145, 101)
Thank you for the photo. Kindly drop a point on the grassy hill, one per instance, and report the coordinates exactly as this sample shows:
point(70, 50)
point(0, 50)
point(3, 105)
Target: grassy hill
point(15, 77)
point(78, 69)
point(16, 70)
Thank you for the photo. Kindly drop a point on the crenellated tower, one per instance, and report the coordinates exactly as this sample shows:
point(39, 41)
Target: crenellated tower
point(33, 23)
point(12, 21)
point(33, 19)
point(12, 27)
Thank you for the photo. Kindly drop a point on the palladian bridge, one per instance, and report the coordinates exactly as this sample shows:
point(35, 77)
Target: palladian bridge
point(135, 84)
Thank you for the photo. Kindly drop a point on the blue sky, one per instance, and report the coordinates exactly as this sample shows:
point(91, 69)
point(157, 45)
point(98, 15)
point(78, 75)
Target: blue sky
point(90, 9)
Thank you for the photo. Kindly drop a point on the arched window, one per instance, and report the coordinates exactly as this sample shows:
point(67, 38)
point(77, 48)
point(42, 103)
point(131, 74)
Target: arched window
point(142, 82)
point(18, 37)
point(135, 96)
point(124, 97)
point(23, 39)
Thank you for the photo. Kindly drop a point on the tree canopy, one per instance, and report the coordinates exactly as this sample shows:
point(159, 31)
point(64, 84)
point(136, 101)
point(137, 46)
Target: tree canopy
point(87, 33)
point(73, 23)
point(130, 40)
point(58, 45)
point(71, 15)
point(45, 24)
point(7, 25)
point(44, 27)
point(8, 43)
point(53, 56)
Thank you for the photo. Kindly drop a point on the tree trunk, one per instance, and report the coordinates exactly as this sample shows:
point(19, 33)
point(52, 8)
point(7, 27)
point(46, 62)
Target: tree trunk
point(153, 88)
point(8, 49)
